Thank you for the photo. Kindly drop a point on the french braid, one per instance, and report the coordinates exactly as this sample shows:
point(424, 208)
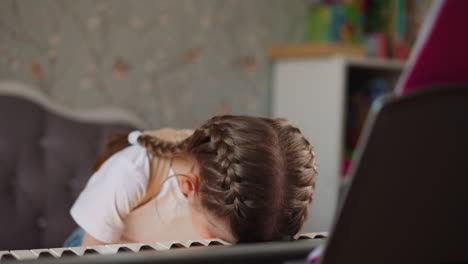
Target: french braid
point(256, 173)
point(301, 172)
point(160, 147)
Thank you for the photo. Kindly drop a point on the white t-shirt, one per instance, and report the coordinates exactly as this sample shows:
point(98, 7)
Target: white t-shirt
point(106, 207)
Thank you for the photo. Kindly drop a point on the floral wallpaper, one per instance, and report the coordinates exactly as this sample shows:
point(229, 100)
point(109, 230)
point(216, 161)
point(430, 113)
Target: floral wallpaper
point(171, 62)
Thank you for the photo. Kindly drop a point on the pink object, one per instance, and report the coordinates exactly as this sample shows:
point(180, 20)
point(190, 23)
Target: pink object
point(315, 255)
point(440, 55)
point(346, 166)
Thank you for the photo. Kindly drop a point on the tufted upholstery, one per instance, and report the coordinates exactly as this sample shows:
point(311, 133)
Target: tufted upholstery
point(45, 161)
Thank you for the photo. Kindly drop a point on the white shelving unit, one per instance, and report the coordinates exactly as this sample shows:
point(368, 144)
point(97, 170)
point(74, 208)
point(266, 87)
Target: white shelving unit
point(311, 92)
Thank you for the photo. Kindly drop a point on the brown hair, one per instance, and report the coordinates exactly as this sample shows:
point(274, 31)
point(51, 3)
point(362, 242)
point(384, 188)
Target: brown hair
point(256, 174)
point(116, 141)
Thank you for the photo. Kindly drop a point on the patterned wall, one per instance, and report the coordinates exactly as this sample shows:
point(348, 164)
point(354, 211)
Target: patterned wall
point(172, 62)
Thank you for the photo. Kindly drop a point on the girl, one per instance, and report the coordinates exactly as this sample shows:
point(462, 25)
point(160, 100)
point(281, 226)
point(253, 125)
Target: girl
point(237, 178)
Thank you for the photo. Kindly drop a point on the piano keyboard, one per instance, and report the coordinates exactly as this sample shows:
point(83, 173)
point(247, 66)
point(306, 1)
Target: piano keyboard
point(123, 248)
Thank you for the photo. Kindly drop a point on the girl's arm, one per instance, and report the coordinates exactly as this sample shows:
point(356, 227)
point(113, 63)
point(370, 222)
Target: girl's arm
point(110, 196)
point(88, 240)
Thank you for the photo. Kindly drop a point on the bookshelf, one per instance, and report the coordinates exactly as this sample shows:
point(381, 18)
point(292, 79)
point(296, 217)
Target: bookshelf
point(316, 93)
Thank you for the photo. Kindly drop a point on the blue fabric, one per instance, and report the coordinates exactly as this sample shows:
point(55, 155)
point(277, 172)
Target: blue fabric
point(74, 240)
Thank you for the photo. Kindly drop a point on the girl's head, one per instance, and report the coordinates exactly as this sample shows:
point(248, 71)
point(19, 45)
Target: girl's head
point(252, 180)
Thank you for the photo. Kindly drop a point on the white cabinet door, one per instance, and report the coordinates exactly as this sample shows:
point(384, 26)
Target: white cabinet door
point(310, 93)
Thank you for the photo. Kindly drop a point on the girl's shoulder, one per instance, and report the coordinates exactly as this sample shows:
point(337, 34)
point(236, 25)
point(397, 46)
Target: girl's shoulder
point(128, 165)
point(134, 154)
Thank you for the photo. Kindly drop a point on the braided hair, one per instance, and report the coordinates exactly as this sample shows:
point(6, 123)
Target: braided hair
point(256, 174)
point(162, 148)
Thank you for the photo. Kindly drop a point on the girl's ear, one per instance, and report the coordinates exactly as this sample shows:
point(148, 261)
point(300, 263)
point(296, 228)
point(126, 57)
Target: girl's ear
point(188, 184)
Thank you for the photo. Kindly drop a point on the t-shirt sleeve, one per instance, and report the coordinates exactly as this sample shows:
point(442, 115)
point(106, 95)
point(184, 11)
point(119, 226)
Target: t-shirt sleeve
point(110, 195)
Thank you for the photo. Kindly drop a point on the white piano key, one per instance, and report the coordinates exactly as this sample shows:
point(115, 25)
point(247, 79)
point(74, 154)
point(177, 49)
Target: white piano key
point(324, 234)
point(6, 255)
point(185, 243)
point(59, 251)
point(23, 254)
point(146, 247)
point(210, 241)
point(312, 235)
point(160, 245)
point(173, 244)
point(135, 247)
point(78, 250)
point(192, 243)
point(38, 252)
point(102, 249)
point(164, 244)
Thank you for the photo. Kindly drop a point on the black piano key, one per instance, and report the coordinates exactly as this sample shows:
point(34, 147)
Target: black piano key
point(319, 236)
point(45, 254)
point(90, 251)
point(124, 249)
point(303, 237)
point(215, 243)
point(7, 256)
point(196, 244)
point(146, 248)
point(177, 245)
point(68, 253)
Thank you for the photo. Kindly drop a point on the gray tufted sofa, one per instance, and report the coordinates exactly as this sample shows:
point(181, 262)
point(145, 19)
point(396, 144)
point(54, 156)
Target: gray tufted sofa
point(45, 161)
